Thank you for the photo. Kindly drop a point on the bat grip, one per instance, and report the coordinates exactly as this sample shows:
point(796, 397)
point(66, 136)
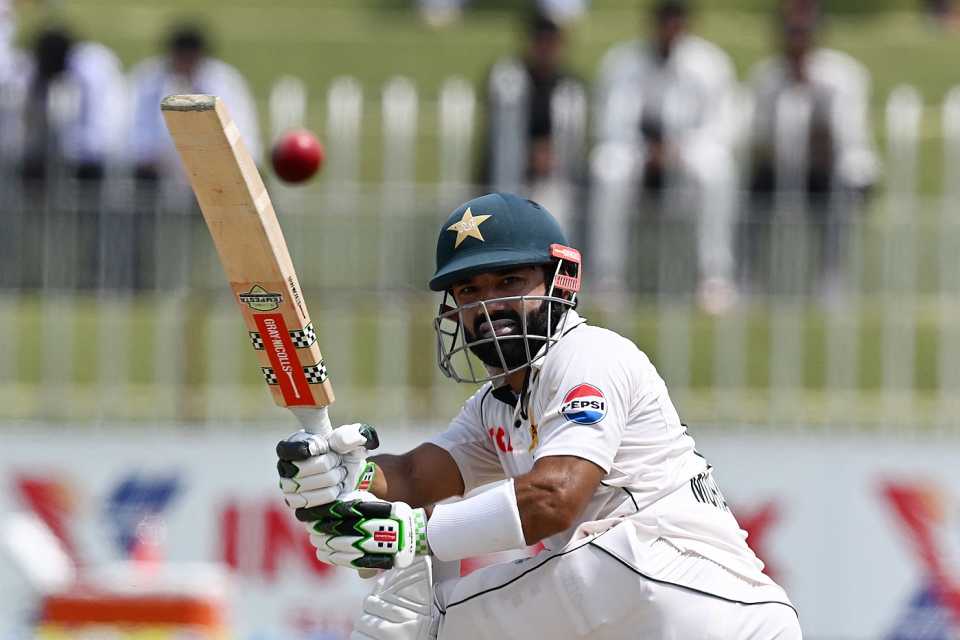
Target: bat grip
point(313, 419)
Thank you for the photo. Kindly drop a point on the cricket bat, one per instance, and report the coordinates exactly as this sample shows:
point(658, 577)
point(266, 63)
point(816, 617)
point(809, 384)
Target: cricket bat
point(253, 252)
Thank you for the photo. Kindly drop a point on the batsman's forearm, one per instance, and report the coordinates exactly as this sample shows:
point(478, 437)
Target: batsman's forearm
point(421, 477)
point(395, 480)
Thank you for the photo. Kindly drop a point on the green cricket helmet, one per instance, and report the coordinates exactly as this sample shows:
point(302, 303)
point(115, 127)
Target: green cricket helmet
point(493, 232)
point(487, 234)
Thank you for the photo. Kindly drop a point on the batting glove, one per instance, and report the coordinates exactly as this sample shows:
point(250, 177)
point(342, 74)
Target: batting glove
point(316, 470)
point(366, 533)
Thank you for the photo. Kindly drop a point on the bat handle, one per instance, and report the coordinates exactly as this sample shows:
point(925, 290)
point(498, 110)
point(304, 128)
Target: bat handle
point(314, 419)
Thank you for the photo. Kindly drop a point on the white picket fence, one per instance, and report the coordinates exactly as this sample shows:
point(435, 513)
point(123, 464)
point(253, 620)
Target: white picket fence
point(113, 308)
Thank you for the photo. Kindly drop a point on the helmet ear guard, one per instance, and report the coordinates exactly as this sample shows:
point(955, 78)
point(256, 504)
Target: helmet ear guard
point(567, 274)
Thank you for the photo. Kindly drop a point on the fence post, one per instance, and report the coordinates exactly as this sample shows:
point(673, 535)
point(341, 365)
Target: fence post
point(558, 192)
point(400, 108)
point(949, 303)
point(344, 117)
point(288, 105)
point(340, 205)
point(12, 239)
point(60, 257)
point(457, 122)
point(457, 114)
point(903, 115)
point(509, 93)
point(613, 171)
point(788, 253)
point(288, 111)
point(174, 210)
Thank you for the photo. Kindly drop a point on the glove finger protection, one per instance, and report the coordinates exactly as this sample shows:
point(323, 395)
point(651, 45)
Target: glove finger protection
point(309, 467)
point(332, 478)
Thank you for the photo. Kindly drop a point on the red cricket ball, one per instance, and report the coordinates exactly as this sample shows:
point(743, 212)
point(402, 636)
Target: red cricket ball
point(297, 155)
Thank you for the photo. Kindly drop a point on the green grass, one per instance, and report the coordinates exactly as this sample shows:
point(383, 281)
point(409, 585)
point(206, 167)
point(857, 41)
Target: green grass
point(226, 385)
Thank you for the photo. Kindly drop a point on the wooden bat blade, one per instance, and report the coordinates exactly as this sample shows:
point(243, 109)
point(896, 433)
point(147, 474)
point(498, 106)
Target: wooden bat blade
point(251, 246)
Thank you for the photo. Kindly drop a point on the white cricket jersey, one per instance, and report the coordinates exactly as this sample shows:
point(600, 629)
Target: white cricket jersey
point(596, 396)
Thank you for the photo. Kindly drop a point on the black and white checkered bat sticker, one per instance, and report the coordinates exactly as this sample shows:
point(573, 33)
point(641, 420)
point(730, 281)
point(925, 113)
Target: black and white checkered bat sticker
point(315, 374)
point(302, 338)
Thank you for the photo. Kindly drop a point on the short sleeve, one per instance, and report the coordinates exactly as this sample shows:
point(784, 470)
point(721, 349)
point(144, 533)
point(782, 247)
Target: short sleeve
point(583, 399)
point(466, 440)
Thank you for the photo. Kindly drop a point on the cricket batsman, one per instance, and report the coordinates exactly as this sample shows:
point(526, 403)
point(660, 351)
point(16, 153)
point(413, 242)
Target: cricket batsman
point(571, 440)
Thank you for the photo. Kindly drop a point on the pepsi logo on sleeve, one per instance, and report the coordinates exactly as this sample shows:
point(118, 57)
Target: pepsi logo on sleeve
point(584, 404)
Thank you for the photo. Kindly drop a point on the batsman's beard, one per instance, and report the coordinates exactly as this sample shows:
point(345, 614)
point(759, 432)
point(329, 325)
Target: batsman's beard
point(513, 346)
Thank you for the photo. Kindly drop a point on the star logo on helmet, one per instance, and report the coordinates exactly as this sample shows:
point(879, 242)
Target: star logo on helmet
point(468, 227)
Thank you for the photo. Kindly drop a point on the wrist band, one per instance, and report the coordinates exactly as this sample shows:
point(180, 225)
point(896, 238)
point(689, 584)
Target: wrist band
point(485, 523)
point(365, 476)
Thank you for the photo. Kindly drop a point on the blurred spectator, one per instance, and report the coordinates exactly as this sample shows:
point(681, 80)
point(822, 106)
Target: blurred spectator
point(162, 196)
point(74, 105)
point(64, 112)
point(186, 67)
point(534, 94)
point(836, 89)
point(8, 29)
point(670, 99)
point(531, 78)
point(811, 131)
point(11, 88)
point(440, 13)
point(942, 12)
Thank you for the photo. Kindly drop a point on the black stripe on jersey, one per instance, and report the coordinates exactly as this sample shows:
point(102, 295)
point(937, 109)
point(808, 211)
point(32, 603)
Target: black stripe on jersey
point(489, 389)
point(629, 493)
point(520, 575)
point(591, 542)
point(686, 588)
point(571, 329)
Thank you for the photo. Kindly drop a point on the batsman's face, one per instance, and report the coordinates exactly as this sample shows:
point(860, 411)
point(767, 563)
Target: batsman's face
point(504, 315)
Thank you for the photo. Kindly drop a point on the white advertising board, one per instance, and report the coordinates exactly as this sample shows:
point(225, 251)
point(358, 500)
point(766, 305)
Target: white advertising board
point(862, 531)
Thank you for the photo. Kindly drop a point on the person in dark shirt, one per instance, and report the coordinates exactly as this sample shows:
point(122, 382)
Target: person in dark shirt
point(528, 82)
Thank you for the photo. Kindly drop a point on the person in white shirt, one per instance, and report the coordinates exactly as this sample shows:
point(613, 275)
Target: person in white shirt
point(8, 29)
point(440, 13)
point(810, 131)
point(72, 105)
point(61, 128)
point(572, 440)
point(670, 101)
point(187, 67)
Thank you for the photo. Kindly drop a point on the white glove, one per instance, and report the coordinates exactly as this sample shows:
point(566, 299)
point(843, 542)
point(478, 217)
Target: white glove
point(315, 470)
point(400, 607)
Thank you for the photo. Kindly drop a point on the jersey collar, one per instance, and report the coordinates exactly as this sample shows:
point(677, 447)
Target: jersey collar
point(571, 321)
point(568, 323)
